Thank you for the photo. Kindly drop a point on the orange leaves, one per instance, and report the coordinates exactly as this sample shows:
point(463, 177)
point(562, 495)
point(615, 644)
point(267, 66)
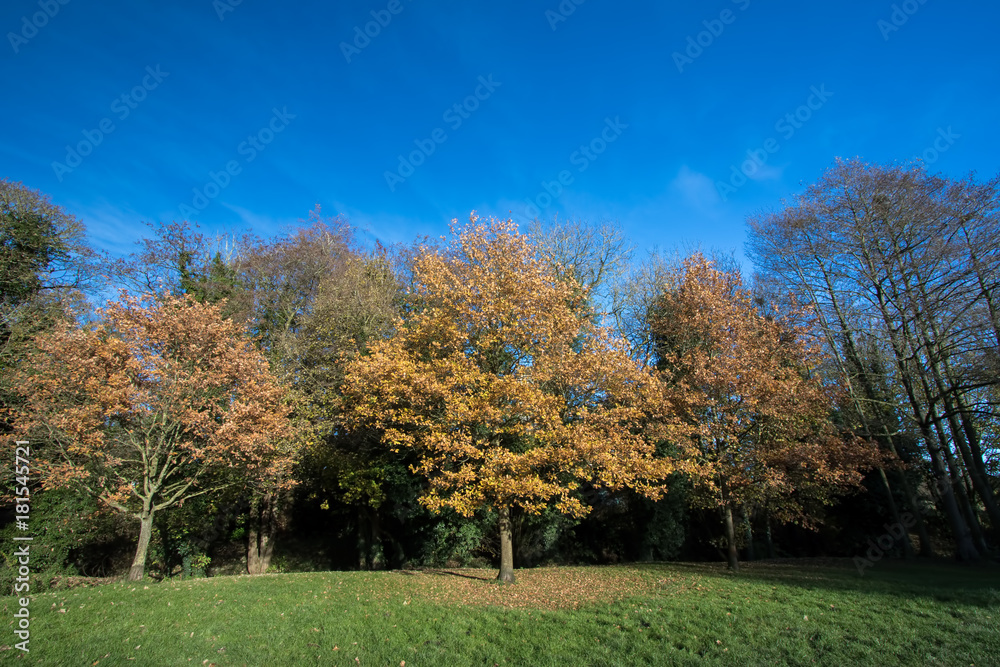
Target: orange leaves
point(760, 420)
point(539, 588)
point(500, 384)
point(156, 393)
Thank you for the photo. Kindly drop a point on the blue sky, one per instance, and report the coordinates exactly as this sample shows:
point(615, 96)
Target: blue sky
point(126, 112)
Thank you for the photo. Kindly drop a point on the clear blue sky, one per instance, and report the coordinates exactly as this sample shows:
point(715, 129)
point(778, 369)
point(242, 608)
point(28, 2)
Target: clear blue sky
point(641, 123)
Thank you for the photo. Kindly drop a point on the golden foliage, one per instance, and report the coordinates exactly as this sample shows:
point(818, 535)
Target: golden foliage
point(508, 395)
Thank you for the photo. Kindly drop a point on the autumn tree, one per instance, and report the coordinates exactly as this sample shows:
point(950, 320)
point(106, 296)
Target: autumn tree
point(637, 297)
point(903, 263)
point(160, 402)
point(309, 297)
point(762, 435)
point(507, 393)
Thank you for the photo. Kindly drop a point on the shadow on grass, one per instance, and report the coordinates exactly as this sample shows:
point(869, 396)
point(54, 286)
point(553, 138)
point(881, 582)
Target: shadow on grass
point(461, 574)
point(939, 579)
point(440, 572)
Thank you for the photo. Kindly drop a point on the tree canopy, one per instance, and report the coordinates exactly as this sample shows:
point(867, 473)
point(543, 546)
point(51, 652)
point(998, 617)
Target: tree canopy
point(510, 397)
point(156, 404)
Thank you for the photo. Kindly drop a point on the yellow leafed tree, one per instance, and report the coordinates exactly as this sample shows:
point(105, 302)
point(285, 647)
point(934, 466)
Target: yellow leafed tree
point(508, 393)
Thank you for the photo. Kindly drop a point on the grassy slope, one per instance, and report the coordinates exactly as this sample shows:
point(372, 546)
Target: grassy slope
point(630, 615)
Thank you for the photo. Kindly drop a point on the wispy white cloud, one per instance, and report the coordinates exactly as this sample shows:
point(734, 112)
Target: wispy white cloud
point(694, 188)
point(111, 228)
point(260, 224)
point(767, 172)
point(388, 228)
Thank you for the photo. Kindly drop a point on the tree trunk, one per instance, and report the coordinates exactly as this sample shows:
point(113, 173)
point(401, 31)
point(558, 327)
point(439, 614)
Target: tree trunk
point(973, 454)
point(734, 556)
point(926, 329)
point(872, 395)
point(948, 386)
point(506, 547)
point(259, 551)
point(961, 493)
point(964, 546)
point(926, 548)
point(964, 435)
point(902, 341)
point(253, 538)
point(377, 558)
point(955, 476)
point(767, 536)
point(364, 543)
point(897, 519)
point(138, 569)
point(260, 535)
point(749, 530)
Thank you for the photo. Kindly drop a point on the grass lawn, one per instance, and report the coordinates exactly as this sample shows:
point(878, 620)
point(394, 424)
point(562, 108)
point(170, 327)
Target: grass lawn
point(799, 613)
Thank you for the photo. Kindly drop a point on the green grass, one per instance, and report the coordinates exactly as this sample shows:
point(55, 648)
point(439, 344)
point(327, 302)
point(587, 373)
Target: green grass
point(663, 614)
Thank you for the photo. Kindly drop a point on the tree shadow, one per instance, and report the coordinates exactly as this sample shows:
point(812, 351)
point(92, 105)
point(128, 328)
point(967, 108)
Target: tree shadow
point(443, 572)
point(460, 574)
point(939, 579)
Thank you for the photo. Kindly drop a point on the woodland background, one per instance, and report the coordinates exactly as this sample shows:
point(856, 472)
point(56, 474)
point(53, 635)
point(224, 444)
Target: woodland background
point(213, 406)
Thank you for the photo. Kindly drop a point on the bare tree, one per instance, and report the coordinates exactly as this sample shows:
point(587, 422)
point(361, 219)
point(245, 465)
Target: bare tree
point(892, 257)
point(596, 255)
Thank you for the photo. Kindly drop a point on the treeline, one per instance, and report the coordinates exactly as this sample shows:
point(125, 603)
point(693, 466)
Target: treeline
point(509, 397)
point(902, 271)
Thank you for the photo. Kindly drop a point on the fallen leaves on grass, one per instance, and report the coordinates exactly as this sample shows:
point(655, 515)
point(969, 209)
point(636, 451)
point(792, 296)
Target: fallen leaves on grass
point(539, 588)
